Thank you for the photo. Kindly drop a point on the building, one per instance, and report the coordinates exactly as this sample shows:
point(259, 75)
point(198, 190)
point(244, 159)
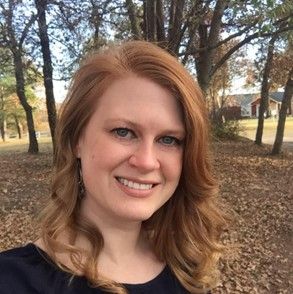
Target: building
point(249, 104)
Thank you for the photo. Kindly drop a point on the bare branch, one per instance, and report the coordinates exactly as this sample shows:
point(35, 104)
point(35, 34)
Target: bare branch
point(233, 36)
point(26, 29)
point(246, 41)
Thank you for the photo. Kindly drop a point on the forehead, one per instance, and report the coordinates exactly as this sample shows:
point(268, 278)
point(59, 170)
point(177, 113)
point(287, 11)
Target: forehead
point(139, 99)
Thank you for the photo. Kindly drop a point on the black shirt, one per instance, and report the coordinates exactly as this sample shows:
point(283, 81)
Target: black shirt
point(29, 270)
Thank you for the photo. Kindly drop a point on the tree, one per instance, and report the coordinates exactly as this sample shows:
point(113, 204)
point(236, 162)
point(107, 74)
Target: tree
point(198, 28)
point(7, 87)
point(15, 114)
point(78, 27)
point(281, 75)
point(221, 81)
point(135, 26)
point(241, 24)
point(283, 20)
point(282, 63)
point(265, 90)
point(41, 6)
point(13, 33)
point(283, 113)
point(192, 30)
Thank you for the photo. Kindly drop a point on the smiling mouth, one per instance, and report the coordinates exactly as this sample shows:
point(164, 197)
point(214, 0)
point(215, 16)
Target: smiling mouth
point(134, 185)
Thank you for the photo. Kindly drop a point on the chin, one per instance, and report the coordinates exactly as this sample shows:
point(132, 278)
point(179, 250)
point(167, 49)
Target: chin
point(139, 216)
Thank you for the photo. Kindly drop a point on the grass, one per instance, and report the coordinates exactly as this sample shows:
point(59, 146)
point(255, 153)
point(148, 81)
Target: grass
point(270, 127)
point(21, 145)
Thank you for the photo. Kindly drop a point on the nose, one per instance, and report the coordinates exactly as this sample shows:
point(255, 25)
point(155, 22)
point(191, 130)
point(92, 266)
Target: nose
point(144, 157)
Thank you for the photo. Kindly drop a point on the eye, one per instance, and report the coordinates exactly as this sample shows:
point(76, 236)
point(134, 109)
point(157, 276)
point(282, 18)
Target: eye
point(123, 133)
point(170, 141)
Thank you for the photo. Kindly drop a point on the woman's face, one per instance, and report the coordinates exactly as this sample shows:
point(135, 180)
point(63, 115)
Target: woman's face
point(131, 151)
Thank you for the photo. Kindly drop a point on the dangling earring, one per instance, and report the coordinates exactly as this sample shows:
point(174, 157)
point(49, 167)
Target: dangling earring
point(81, 186)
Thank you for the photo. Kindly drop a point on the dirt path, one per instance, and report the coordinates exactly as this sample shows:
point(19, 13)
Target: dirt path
point(256, 186)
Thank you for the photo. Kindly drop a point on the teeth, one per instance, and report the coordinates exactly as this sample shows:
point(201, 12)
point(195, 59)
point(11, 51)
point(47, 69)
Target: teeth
point(134, 185)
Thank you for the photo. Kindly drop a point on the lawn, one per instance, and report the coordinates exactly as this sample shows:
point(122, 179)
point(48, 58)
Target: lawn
point(21, 145)
point(270, 127)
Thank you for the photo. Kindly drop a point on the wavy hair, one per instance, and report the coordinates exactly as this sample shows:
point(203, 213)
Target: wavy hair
point(185, 231)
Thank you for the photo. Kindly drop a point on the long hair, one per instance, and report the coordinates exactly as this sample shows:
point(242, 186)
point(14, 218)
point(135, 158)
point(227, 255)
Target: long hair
point(185, 231)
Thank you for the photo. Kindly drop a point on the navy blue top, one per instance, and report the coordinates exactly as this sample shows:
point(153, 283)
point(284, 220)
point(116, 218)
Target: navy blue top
point(29, 270)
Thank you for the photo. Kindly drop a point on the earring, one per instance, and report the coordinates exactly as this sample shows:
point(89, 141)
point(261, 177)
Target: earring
point(81, 186)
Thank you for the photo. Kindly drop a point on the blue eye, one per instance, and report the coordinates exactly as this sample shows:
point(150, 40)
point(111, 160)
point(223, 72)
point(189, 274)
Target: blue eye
point(123, 133)
point(169, 140)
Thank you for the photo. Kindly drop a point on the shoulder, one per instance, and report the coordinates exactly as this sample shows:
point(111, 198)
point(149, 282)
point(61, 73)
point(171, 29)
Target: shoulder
point(29, 270)
point(19, 270)
point(16, 258)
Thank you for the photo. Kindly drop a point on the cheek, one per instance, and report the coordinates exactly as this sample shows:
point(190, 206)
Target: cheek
point(173, 168)
point(105, 155)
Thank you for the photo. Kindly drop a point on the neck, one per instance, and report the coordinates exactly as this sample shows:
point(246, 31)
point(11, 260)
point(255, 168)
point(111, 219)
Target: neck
point(122, 244)
point(122, 238)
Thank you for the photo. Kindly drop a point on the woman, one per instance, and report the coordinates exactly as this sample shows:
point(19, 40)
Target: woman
point(132, 208)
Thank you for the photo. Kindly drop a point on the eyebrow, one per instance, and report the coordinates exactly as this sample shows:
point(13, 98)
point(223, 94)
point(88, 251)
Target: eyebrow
point(172, 131)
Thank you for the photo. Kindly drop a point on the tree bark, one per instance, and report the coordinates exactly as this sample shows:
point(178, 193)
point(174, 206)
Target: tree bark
point(41, 6)
point(95, 20)
point(209, 40)
point(149, 15)
point(263, 107)
point(286, 102)
point(18, 128)
point(175, 26)
point(160, 24)
point(19, 76)
point(133, 20)
point(3, 129)
point(2, 118)
point(16, 49)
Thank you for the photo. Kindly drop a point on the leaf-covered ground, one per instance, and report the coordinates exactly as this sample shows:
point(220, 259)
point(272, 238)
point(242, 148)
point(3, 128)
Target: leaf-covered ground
point(257, 187)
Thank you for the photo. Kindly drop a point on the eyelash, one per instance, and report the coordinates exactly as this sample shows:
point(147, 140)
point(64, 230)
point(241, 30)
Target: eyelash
point(117, 130)
point(175, 141)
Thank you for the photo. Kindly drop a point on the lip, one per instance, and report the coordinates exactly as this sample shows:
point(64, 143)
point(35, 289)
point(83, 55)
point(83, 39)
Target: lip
point(135, 192)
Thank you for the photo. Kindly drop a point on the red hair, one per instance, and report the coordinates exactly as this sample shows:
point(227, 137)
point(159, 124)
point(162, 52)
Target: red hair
point(185, 231)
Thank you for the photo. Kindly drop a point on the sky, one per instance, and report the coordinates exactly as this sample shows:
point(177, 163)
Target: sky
point(59, 90)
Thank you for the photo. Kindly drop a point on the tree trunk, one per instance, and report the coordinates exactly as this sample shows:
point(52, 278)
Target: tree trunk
point(135, 29)
point(47, 67)
point(18, 128)
point(3, 129)
point(175, 26)
point(2, 118)
point(19, 76)
point(286, 102)
point(149, 17)
point(160, 24)
point(263, 107)
point(95, 20)
point(208, 39)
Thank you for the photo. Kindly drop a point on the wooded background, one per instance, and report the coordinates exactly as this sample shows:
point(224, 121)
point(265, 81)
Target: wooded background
point(42, 41)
